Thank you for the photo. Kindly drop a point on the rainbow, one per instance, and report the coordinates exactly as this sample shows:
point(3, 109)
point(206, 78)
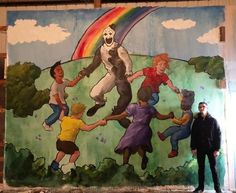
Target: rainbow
point(124, 18)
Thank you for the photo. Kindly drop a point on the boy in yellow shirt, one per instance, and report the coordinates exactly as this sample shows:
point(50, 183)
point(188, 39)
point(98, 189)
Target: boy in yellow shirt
point(70, 127)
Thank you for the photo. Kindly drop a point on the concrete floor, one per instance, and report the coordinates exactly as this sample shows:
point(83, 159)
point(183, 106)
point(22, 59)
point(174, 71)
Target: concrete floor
point(65, 189)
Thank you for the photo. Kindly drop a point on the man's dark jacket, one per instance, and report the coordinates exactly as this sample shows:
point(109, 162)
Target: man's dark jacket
point(205, 134)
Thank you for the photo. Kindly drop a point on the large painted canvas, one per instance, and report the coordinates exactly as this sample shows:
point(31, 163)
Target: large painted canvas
point(101, 58)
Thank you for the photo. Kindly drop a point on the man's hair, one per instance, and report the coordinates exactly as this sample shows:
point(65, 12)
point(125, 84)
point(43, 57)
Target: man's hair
point(113, 26)
point(202, 103)
point(53, 67)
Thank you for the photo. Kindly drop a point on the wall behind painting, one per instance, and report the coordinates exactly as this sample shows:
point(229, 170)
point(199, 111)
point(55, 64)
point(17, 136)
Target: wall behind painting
point(228, 52)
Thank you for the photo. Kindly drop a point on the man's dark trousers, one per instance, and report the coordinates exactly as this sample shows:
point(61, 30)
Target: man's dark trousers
point(201, 155)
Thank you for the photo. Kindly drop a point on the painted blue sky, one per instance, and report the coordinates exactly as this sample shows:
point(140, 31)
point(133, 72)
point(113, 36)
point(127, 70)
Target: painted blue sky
point(44, 37)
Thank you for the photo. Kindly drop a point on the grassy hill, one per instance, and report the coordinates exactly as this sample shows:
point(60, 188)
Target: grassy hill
point(100, 143)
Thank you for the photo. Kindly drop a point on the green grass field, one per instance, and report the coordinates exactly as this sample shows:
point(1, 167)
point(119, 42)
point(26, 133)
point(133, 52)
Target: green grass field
point(100, 143)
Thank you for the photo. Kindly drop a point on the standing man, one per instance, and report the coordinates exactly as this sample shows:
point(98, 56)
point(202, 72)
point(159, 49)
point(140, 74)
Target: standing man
point(118, 64)
point(205, 140)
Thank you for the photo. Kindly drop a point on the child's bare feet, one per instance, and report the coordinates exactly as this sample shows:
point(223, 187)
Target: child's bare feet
point(47, 127)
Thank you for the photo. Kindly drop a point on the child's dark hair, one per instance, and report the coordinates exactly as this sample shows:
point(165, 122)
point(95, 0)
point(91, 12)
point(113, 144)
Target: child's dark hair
point(187, 99)
point(144, 94)
point(53, 67)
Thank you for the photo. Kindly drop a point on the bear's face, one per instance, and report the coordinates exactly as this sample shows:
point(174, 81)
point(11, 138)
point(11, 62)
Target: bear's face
point(108, 36)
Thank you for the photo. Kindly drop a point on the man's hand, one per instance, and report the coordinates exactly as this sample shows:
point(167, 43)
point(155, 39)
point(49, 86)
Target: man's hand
point(128, 73)
point(130, 79)
point(194, 152)
point(83, 73)
point(216, 153)
point(80, 75)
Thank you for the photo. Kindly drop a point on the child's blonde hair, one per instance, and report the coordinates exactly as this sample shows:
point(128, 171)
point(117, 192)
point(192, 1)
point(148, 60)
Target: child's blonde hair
point(161, 57)
point(77, 108)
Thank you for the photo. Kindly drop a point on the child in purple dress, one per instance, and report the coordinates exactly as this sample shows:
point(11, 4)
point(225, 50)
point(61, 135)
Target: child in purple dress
point(137, 137)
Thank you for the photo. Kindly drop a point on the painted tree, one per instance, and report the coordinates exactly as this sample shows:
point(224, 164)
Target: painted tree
point(22, 95)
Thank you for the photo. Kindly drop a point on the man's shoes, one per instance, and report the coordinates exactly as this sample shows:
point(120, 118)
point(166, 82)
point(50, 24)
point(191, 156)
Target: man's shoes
point(94, 109)
point(172, 154)
point(47, 127)
point(219, 191)
point(198, 190)
point(161, 136)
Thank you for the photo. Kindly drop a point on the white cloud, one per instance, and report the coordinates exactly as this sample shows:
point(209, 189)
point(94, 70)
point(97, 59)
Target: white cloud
point(211, 37)
point(179, 24)
point(26, 31)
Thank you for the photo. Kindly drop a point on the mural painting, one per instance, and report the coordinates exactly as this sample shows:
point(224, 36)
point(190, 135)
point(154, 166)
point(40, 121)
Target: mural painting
point(107, 97)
